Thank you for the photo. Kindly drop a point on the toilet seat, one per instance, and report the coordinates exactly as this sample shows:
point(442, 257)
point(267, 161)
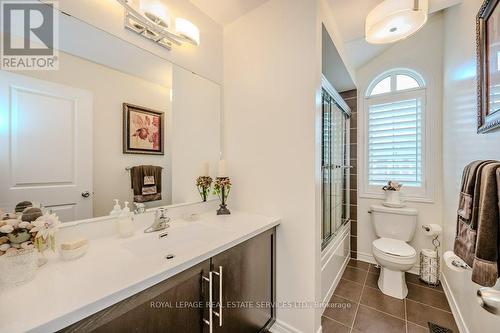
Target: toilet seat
point(394, 248)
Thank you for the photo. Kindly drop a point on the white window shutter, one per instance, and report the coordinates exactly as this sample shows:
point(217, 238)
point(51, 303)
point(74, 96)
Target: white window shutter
point(395, 141)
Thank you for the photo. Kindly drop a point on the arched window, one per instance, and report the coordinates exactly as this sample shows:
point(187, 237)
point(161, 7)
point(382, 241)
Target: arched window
point(395, 131)
point(395, 80)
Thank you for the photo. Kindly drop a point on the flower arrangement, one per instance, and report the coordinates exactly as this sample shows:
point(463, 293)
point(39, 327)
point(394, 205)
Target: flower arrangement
point(392, 186)
point(222, 187)
point(27, 230)
point(203, 184)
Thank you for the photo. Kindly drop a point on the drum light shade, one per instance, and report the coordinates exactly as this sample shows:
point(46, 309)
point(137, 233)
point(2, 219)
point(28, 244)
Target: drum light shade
point(394, 20)
point(187, 30)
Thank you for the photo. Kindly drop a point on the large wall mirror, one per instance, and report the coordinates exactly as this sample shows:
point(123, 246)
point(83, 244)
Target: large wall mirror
point(69, 138)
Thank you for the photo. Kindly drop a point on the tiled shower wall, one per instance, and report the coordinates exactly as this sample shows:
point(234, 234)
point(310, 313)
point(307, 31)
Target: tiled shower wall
point(351, 98)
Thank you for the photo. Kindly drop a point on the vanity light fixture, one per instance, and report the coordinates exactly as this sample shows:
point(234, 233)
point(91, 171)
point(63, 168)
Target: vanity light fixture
point(187, 30)
point(155, 11)
point(151, 19)
point(394, 20)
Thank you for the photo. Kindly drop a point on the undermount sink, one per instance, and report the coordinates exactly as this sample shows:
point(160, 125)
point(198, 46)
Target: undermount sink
point(181, 238)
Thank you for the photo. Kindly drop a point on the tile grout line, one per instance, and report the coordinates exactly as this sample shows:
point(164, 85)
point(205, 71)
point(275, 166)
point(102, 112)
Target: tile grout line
point(432, 306)
point(338, 322)
point(430, 288)
point(391, 315)
point(404, 302)
point(359, 302)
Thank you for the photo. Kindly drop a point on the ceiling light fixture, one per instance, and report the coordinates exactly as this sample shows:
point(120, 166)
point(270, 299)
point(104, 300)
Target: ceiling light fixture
point(394, 20)
point(151, 19)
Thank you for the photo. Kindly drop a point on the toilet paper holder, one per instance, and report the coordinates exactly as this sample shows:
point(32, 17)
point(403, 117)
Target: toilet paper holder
point(426, 228)
point(460, 264)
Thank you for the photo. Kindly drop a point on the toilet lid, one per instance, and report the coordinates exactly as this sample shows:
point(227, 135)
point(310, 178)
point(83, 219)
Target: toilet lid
point(394, 247)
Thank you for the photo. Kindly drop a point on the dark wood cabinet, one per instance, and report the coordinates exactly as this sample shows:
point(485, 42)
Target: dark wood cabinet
point(181, 303)
point(247, 285)
point(174, 305)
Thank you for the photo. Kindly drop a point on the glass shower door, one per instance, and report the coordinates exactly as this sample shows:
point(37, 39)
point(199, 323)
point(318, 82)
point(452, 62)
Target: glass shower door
point(335, 169)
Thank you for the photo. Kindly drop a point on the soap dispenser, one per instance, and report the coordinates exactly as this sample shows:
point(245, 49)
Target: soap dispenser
point(116, 209)
point(125, 222)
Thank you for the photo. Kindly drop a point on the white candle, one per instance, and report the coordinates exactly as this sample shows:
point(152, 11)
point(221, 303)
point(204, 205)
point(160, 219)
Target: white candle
point(205, 169)
point(222, 169)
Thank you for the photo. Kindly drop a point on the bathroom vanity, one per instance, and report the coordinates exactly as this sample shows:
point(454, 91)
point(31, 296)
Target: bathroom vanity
point(130, 285)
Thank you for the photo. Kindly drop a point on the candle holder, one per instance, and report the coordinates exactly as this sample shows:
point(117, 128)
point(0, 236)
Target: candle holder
point(203, 184)
point(222, 187)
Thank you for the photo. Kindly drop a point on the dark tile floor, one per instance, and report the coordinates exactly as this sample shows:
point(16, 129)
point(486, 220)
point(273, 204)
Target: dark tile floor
point(359, 306)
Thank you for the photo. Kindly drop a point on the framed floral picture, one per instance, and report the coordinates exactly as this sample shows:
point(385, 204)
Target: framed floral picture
point(142, 130)
point(488, 66)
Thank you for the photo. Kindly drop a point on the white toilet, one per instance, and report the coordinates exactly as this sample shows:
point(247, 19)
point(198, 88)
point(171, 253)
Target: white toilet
point(395, 227)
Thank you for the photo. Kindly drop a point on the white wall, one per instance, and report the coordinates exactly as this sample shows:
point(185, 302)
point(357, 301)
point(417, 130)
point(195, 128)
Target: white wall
point(461, 146)
point(196, 132)
point(111, 88)
point(271, 81)
point(423, 53)
point(206, 59)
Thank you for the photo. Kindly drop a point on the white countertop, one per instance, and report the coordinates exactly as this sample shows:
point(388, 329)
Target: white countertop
point(113, 269)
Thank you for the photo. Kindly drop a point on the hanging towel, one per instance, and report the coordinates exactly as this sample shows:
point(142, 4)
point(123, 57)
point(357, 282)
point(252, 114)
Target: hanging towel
point(485, 267)
point(465, 241)
point(146, 182)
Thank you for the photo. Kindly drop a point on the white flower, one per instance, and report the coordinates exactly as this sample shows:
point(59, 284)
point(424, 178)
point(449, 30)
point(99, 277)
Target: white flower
point(46, 226)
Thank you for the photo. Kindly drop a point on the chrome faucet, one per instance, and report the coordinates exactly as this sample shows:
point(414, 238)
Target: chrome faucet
point(161, 221)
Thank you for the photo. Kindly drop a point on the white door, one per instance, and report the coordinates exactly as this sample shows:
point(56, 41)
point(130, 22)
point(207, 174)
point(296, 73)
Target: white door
point(45, 146)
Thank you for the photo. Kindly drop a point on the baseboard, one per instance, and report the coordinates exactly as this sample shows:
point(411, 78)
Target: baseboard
point(368, 257)
point(459, 319)
point(281, 327)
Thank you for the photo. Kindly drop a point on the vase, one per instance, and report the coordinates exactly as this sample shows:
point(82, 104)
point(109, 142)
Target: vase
point(18, 268)
point(204, 195)
point(393, 197)
point(223, 210)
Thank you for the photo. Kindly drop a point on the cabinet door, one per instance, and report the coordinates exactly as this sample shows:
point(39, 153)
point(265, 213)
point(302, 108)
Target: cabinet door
point(247, 285)
point(174, 305)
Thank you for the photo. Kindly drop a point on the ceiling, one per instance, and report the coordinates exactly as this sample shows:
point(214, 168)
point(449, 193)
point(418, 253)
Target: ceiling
point(349, 14)
point(352, 27)
point(226, 11)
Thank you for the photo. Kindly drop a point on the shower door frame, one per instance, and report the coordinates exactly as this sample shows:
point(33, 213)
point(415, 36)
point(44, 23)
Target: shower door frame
point(342, 105)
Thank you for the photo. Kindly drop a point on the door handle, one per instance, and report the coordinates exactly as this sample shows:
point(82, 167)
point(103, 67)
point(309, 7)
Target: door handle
point(86, 194)
point(219, 314)
point(209, 322)
point(489, 299)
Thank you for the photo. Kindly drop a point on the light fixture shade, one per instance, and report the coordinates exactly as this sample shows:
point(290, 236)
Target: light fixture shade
point(187, 30)
point(156, 11)
point(394, 20)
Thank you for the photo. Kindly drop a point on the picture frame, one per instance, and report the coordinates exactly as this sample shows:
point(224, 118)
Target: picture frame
point(143, 130)
point(488, 66)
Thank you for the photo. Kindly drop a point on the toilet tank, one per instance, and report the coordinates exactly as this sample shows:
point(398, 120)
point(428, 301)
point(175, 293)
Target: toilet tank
point(396, 223)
